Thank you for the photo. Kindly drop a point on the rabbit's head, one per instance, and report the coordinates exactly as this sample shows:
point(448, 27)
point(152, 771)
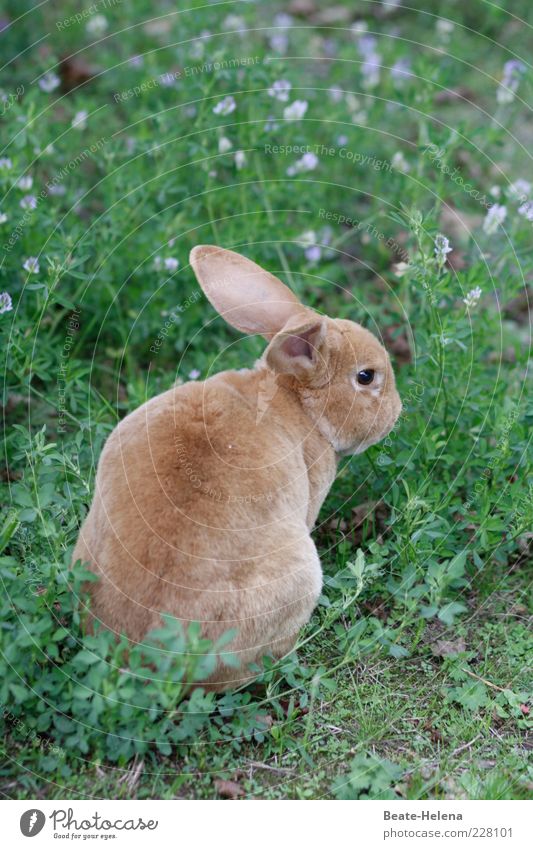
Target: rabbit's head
point(339, 371)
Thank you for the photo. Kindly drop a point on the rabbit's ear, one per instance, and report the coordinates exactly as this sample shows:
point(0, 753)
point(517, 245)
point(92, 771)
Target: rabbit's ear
point(246, 296)
point(300, 349)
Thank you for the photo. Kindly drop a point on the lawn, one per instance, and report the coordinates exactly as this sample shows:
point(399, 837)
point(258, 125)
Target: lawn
point(376, 158)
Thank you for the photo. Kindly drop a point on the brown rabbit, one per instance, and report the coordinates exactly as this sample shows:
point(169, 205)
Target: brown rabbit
point(206, 494)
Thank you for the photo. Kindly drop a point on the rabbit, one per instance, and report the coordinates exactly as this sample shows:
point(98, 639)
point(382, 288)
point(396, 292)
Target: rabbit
point(205, 495)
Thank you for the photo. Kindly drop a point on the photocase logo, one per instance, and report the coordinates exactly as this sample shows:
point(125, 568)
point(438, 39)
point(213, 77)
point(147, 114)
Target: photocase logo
point(32, 822)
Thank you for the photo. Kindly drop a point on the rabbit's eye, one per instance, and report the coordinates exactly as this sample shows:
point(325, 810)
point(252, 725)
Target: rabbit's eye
point(365, 376)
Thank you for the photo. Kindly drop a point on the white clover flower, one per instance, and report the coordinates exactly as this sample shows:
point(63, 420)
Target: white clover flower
point(400, 268)
point(3, 218)
point(307, 239)
point(296, 110)
point(194, 374)
point(526, 210)
point(494, 217)
point(224, 145)
point(171, 264)
point(240, 159)
point(24, 183)
point(512, 74)
point(444, 29)
point(49, 82)
point(79, 122)
point(308, 162)
point(400, 163)
point(520, 190)
point(280, 90)
point(442, 248)
point(97, 25)
point(29, 202)
point(472, 298)
point(5, 163)
point(225, 106)
point(6, 304)
point(31, 265)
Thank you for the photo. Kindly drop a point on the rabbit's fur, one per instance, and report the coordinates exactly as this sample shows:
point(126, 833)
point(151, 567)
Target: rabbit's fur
point(206, 495)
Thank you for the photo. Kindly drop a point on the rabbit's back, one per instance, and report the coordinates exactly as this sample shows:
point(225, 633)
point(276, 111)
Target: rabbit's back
point(200, 511)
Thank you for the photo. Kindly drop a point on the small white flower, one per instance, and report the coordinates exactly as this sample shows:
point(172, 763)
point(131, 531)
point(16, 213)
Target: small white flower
point(5, 163)
point(3, 218)
point(442, 248)
point(401, 70)
point(400, 268)
point(512, 74)
point(283, 21)
point(359, 27)
point(158, 262)
point(224, 145)
point(526, 210)
point(225, 106)
point(307, 239)
point(194, 374)
point(495, 192)
point(79, 122)
point(234, 22)
point(240, 159)
point(494, 217)
point(31, 265)
point(472, 297)
point(400, 163)
point(335, 94)
point(6, 304)
point(25, 183)
point(280, 90)
point(171, 264)
point(444, 29)
point(342, 140)
point(308, 162)
point(49, 82)
point(97, 25)
point(520, 190)
point(279, 42)
point(296, 110)
point(29, 202)
point(57, 189)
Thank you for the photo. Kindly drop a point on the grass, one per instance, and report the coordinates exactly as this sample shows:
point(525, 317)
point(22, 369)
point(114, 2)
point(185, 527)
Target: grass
point(412, 678)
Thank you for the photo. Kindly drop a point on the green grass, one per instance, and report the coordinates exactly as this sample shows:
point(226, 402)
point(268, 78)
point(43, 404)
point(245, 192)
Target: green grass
point(412, 679)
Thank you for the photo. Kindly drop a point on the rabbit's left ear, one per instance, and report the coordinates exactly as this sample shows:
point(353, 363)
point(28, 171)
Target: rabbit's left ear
point(246, 296)
point(301, 349)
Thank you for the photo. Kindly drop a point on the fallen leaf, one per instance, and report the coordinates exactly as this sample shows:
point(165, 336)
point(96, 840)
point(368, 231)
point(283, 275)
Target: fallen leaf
point(448, 648)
